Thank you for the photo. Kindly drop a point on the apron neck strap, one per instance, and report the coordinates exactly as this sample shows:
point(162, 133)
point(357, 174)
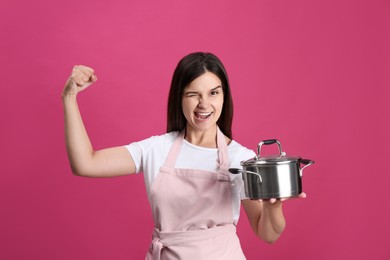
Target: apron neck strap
point(174, 151)
point(223, 158)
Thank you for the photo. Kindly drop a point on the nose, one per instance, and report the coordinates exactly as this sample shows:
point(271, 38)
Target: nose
point(203, 102)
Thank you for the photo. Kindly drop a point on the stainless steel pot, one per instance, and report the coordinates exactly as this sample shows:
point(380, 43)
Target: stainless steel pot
point(277, 176)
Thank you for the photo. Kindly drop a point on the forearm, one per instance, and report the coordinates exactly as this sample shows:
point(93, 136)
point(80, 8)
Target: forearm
point(272, 222)
point(78, 145)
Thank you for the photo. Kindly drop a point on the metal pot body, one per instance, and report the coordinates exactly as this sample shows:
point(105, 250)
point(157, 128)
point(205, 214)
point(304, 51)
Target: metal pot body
point(277, 181)
point(277, 176)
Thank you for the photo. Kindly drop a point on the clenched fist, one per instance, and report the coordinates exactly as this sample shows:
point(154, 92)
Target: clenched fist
point(81, 78)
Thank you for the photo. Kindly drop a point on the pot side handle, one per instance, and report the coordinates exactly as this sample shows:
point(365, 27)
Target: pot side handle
point(237, 171)
point(307, 163)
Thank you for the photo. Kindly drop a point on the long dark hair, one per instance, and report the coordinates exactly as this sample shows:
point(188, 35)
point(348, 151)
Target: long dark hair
point(189, 68)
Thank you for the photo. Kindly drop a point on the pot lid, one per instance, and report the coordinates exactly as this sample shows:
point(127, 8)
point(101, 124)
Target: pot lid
point(269, 160)
point(281, 158)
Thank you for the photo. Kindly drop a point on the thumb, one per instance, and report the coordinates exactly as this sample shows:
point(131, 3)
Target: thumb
point(93, 78)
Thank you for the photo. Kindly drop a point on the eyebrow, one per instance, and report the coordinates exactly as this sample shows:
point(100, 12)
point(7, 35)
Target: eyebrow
point(192, 92)
point(216, 88)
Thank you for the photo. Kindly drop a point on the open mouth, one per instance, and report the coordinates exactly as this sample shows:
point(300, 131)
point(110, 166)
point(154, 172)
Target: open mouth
point(203, 115)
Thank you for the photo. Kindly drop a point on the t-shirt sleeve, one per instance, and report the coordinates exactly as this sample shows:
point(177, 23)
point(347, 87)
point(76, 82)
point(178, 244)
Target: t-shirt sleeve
point(242, 154)
point(248, 155)
point(138, 151)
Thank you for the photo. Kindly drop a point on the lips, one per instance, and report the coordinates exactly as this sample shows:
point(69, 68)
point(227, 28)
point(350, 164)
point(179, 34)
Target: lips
point(203, 115)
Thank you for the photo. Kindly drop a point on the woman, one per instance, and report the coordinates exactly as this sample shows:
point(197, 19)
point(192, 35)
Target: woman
point(195, 201)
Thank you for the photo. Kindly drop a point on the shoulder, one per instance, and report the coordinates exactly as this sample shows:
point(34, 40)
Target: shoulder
point(156, 140)
point(235, 146)
point(167, 137)
point(151, 151)
point(239, 151)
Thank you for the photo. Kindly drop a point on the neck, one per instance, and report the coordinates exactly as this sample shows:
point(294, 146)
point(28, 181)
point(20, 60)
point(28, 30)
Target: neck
point(206, 139)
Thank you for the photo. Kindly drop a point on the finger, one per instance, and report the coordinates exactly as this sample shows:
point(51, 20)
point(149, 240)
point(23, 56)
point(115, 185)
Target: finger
point(81, 79)
point(81, 75)
point(85, 70)
point(302, 195)
point(78, 81)
point(272, 201)
point(82, 72)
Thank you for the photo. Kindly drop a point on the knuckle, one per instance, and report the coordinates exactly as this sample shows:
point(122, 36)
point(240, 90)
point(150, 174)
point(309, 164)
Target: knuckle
point(73, 78)
point(78, 81)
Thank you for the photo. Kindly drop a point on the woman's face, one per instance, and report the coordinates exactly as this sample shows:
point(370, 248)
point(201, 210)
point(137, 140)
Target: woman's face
point(202, 102)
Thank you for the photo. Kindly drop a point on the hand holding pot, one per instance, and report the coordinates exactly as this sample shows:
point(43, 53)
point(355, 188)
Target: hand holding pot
point(273, 200)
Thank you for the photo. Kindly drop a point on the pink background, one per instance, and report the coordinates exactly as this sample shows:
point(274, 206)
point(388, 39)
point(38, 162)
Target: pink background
point(314, 74)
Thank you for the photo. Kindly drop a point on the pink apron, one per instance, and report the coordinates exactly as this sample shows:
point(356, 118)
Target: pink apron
point(192, 211)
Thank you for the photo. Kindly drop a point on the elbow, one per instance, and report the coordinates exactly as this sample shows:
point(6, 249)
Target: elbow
point(83, 166)
point(271, 240)
point(78, 171)
point(271, 236)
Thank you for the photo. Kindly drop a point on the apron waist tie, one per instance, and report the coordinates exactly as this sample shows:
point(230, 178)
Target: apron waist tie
point(174, 238)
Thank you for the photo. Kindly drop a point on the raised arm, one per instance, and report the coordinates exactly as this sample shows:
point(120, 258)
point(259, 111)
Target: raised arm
point(84, 161)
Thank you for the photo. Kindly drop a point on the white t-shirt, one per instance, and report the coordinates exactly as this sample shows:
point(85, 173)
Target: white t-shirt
point(150, 154)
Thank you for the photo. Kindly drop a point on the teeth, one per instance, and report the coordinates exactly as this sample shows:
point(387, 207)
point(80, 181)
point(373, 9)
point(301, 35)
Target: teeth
point(204, 114)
